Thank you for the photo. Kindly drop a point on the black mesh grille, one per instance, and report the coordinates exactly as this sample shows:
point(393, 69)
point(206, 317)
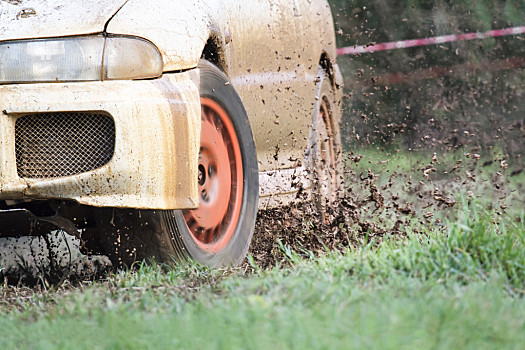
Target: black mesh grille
point(61, 144)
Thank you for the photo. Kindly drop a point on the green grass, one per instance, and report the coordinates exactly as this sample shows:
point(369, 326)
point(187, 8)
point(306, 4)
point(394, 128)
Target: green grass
point(388, 160)
point(459, 287)
point(429, 182)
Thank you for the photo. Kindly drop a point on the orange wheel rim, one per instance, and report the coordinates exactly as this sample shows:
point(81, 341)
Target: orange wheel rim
point(327, 148)
point(328, 180)
point(220, 180)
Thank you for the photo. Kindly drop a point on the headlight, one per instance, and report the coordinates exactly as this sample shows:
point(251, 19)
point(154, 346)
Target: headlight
point(84, 58)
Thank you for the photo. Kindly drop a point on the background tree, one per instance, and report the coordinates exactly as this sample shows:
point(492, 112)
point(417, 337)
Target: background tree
point(445, 96)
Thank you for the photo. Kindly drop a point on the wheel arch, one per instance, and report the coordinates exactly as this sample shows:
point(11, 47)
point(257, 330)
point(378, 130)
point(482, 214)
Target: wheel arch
point(213, 51)
point(331, 68)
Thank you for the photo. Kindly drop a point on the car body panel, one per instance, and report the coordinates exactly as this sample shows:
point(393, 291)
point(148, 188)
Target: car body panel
point(28, 19)
point(180, 29)
point(269, 49)
point(157, 126)
point(275, 72)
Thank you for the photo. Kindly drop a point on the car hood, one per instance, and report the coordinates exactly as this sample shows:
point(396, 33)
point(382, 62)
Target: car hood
point(26, 19)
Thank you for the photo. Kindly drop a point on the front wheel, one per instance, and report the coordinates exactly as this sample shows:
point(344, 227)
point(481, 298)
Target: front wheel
point(219, 231)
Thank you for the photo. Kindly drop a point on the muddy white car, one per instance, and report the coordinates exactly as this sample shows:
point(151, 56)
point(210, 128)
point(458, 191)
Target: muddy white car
point(157, 129)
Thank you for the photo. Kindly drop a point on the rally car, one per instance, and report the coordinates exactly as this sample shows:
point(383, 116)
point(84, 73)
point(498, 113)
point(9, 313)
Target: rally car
point(158, 129)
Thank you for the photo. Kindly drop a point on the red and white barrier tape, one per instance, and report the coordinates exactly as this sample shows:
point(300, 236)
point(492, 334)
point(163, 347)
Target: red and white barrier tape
point(437, 72)
point(356, 50)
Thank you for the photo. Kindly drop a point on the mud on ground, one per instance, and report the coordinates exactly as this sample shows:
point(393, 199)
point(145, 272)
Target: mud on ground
point(384, 202)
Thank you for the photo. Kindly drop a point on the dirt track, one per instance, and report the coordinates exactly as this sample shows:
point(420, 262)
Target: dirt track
point(375, 205)
point(51, 259)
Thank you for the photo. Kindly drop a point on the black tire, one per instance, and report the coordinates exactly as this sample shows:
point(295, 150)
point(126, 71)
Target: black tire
point(129, 235)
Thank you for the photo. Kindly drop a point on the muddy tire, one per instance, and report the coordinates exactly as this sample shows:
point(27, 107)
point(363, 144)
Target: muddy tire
point(218, 233)
point(325, 166)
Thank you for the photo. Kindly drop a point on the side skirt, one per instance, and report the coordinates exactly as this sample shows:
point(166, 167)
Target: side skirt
point(283, 187)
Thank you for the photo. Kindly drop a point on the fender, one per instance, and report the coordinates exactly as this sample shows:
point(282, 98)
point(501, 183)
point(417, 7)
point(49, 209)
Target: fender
point(180, 33)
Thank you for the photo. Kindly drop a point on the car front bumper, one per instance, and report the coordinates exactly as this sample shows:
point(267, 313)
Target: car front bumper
point(157, 131)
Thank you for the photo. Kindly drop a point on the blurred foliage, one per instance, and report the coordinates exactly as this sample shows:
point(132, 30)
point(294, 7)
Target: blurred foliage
point(382, 20)
point(444, 96)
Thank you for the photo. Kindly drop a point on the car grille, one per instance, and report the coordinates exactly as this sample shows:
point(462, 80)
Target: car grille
point(50, 145)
